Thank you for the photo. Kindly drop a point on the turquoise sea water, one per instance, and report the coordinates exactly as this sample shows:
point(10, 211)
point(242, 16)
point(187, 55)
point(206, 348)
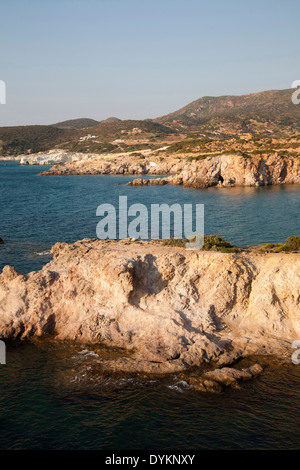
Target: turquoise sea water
point(52, 398)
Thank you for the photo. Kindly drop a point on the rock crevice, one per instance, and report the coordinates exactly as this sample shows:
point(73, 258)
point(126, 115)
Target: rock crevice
point(169, 307)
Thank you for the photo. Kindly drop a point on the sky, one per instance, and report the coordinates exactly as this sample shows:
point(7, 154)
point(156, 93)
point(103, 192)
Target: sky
point(138, 59)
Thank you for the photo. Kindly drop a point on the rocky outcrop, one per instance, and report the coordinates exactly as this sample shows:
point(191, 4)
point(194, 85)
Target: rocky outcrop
point(118, 164)
point(168, 308)
point(222, 170)
point(215, 381)
point(53, 157)
point(231, 170)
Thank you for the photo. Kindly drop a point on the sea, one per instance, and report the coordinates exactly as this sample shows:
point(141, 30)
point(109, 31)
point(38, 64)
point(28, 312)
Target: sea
point(52, 398)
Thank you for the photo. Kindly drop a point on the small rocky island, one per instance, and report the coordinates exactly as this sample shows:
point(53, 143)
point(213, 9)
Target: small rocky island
point(165, 308)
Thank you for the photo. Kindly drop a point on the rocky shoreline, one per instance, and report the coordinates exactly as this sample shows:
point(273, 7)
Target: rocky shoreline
point(166, 308)
point(222, 170)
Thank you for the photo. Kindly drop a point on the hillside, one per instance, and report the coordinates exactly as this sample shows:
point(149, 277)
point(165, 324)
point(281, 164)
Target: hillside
point(114, 135)
point(116, 128)
point(130, 134)
point(31, 139)
point(256, 112)
point(112, 119)
point(80, 123)
point(206, 125)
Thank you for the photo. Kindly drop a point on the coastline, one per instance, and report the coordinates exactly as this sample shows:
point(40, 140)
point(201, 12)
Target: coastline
point(220, 171)
point(168, 312)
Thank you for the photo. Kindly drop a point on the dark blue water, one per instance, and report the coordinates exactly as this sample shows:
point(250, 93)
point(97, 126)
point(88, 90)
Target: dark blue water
point(37, 211)
point(52, 396)
point(50, 400)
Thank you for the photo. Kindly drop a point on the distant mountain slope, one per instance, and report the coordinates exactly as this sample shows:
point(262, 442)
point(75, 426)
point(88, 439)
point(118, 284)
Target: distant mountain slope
point(273, 107)
point(112, 119)
point(114, 135)
point(266, 113)
point(21, 139)
point(80, 123)
point(112, 128)
point(32, 139)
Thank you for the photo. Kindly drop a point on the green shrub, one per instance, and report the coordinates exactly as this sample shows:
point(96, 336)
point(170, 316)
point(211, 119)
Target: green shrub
point(216, 243)
point(180, 242)
point(244, 154)
point(237, 152)
point(137, 154)
point(293, 242)
point(211, 243)
point(199, 157)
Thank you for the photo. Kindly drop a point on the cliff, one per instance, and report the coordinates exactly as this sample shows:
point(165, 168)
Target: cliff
point(233, 170)
point(223, 170)
point(170, 309)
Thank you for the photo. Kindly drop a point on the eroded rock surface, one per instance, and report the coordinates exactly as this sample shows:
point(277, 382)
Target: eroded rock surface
point(170, 308)
point(222, 170)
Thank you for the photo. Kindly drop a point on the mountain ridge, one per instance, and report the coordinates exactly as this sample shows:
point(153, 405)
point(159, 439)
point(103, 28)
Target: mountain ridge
point(264, 114)
point(77, 123)
point(270, 107)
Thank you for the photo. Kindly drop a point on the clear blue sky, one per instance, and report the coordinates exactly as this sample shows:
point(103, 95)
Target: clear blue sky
point(64, 59)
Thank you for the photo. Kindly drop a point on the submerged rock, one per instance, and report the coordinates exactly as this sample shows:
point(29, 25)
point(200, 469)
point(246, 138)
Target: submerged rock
point(216, 380)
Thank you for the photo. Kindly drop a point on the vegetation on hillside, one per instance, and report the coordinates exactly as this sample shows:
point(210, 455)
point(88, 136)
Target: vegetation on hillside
point(80, 123)
point(211, 243)
point(216, 243)
point(31, 139)
point(90, 147)
point(252, 125)
point(179, 242)
point(267, 111)
point(292, 243)
point(122, 129)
